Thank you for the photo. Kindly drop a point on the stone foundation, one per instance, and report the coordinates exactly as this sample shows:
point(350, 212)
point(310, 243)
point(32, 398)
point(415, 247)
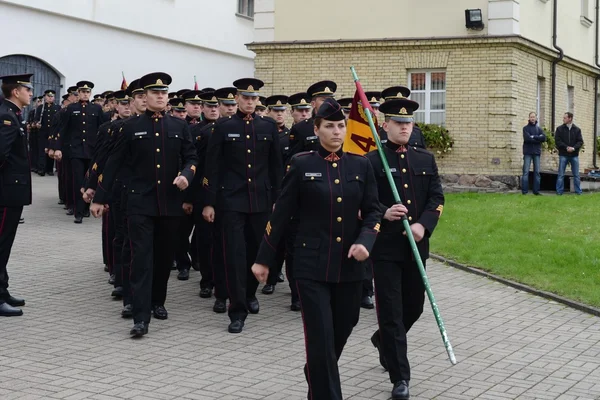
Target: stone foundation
point(453, 183)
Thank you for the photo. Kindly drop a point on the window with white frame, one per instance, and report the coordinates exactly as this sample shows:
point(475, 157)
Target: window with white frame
point(541, 92)
point(246, 8)
point(428, 88)
point(570, 99)
point(586, 16)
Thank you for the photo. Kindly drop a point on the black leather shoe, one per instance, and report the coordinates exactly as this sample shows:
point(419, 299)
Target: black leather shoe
point(206, 293)
point(220, 306)
point(280, 278)
point(376, 340)
point(367, 302)
point(253, 306)
point(50, 173)
point(174, 266)
point(400, 391)
point(160, 312)
point(14, 301)
point(183, 275)
point(118, 292)
point(139, 329)
point(78, 220)
point(127, 311)
point(6, 310)
point(296, 306)
point(69, 211)
point(105, 268)
point(21, 220)
point(61, 202)
point(268, 289)
point(236, 326)
point(111, 279)
point(42, 173)
point(196, 266)
point(86, 214)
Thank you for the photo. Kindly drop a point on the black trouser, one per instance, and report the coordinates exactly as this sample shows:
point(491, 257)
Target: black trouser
point(205, 253)
point(9, 222)
point(182, 255)
point(68, 182)
point(400, 296)
point(33, 147)
point(240, 235)
point(290, 238)
point(44, 163)
point(79, 167)
point(329, 311)
point(153, 245)
point(62, 195)
point(108, 235)
point(125, 258)
point(367, 289)
point(117, 217)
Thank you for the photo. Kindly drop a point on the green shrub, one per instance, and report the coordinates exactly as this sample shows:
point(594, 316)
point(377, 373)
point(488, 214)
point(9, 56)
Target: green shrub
point(438, 139)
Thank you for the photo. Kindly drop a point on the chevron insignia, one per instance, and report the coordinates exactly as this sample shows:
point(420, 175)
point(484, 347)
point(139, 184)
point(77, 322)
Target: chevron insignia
point(193, 168)
point(8, 123)
point(377, 227)
point(269, 228)
point(440, 208)
point(94, 167)
point(205, 182)
point(100, 177)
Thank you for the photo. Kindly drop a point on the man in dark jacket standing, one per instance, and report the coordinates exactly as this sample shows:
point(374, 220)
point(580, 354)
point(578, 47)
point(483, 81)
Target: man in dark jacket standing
point(533, 137)
point(568, 143)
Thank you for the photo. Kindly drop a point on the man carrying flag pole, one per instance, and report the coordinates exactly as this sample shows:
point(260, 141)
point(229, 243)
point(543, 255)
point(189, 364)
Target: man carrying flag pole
point(400, 278)
point(123, 82)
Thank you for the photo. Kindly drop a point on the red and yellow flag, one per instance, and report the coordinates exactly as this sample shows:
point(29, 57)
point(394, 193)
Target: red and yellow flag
point(123, 82)
point(359, 139)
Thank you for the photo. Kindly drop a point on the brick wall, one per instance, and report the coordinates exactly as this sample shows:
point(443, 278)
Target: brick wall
point(491, 86)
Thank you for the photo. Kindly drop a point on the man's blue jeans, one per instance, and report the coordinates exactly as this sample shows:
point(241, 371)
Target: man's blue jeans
point(527, 158)
point(562, 166)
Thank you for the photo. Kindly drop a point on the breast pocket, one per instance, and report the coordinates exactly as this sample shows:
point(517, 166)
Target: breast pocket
point(263, 143)
point(422, 177)
point(16, 179)
point(174, 139)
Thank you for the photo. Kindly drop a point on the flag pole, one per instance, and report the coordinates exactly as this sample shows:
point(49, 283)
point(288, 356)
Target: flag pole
point(411, 239)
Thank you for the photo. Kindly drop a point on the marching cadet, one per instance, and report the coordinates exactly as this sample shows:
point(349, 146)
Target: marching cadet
point(60, 169)
point(15, 177)
point(261, 106)
point(302, 135)
point(243, 173)
point(227, 104)
point(326, 190)
point(402, 92)
point(157, 150)
point(177, 108)
point(44, 115)
point(205, 246)
point(346, 104)
point(399, 288)
point(193, 106)
point(33, 130)
point(301, 108)
point(98, 100)
point(78, 134)
point(276, 108)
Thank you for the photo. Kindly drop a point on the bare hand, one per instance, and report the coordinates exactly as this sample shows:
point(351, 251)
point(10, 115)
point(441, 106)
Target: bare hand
point(98, 209)
point(261, 272)
point(181, 182)
point(58, 155)
point(208, 213)
point(188, 208)
point(395, 212)
point(46, 150)
point(359, 252)
point(418, 231)
point(88, 195)
point(50, 153)
point(570, 149)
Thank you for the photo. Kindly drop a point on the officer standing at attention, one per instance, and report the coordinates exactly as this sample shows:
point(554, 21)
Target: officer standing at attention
point(301, 108)
point(78, 134)
point(177, 108)
point(15, 177)
point(402, 92)
point(399, 288)
point(44, 116)
point(326, 190)
point(261, 106)
point(302, 135)
point(157, 150)
point(243, 174)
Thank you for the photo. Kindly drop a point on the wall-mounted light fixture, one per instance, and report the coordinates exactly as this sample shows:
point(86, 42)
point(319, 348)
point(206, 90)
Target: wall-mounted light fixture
point(474, 19)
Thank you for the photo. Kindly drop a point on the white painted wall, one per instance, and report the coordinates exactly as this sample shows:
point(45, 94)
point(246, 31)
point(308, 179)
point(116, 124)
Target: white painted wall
point(88, 43)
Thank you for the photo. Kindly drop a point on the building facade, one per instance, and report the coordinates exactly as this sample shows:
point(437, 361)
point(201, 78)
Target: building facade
point(65, 41)
point(480, 82)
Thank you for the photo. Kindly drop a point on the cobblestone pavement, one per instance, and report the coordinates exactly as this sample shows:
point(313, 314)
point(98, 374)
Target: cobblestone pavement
point(72, 344)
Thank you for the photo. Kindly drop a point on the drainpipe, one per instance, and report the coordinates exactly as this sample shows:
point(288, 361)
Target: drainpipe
point(596, 60)
point(561, 55)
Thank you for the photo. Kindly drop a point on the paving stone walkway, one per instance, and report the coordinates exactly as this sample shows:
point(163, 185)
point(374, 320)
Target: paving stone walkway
point(72, 344)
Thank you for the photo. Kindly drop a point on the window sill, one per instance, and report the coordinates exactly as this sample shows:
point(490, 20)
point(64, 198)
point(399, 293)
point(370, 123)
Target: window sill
point(244, 16)
point(585, 21)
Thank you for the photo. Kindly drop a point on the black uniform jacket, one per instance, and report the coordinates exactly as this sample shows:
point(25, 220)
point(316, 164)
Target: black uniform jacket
point(416, 137)
point(49, 111)
point(302, 138)
point(155, 148)
point(107, 134)
point(284, 141)
point(200, 134)
point(325, 197)
point(243, 169)
point(416, 177)
point(78, 132)
point(15, 178)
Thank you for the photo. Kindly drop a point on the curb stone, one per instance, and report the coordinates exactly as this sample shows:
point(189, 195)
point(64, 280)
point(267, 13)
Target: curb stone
point(541, 293)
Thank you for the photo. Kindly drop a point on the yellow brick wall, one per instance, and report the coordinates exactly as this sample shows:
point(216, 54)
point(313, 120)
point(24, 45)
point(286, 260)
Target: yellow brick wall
point(490, 90)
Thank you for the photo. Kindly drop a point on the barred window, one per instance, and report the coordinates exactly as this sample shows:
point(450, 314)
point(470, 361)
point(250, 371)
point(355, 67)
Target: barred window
point(428, 88)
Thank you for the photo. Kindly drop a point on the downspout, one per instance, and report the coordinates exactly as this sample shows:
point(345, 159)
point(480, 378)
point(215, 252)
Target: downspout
point(596, 60)
point(561, 55)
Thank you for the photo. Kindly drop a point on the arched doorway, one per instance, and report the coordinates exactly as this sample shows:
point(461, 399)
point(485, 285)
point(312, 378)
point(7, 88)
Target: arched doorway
point(44, 76)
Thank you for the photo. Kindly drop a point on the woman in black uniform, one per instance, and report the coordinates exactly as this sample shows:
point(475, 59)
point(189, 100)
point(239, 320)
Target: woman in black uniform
point(333, 195)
